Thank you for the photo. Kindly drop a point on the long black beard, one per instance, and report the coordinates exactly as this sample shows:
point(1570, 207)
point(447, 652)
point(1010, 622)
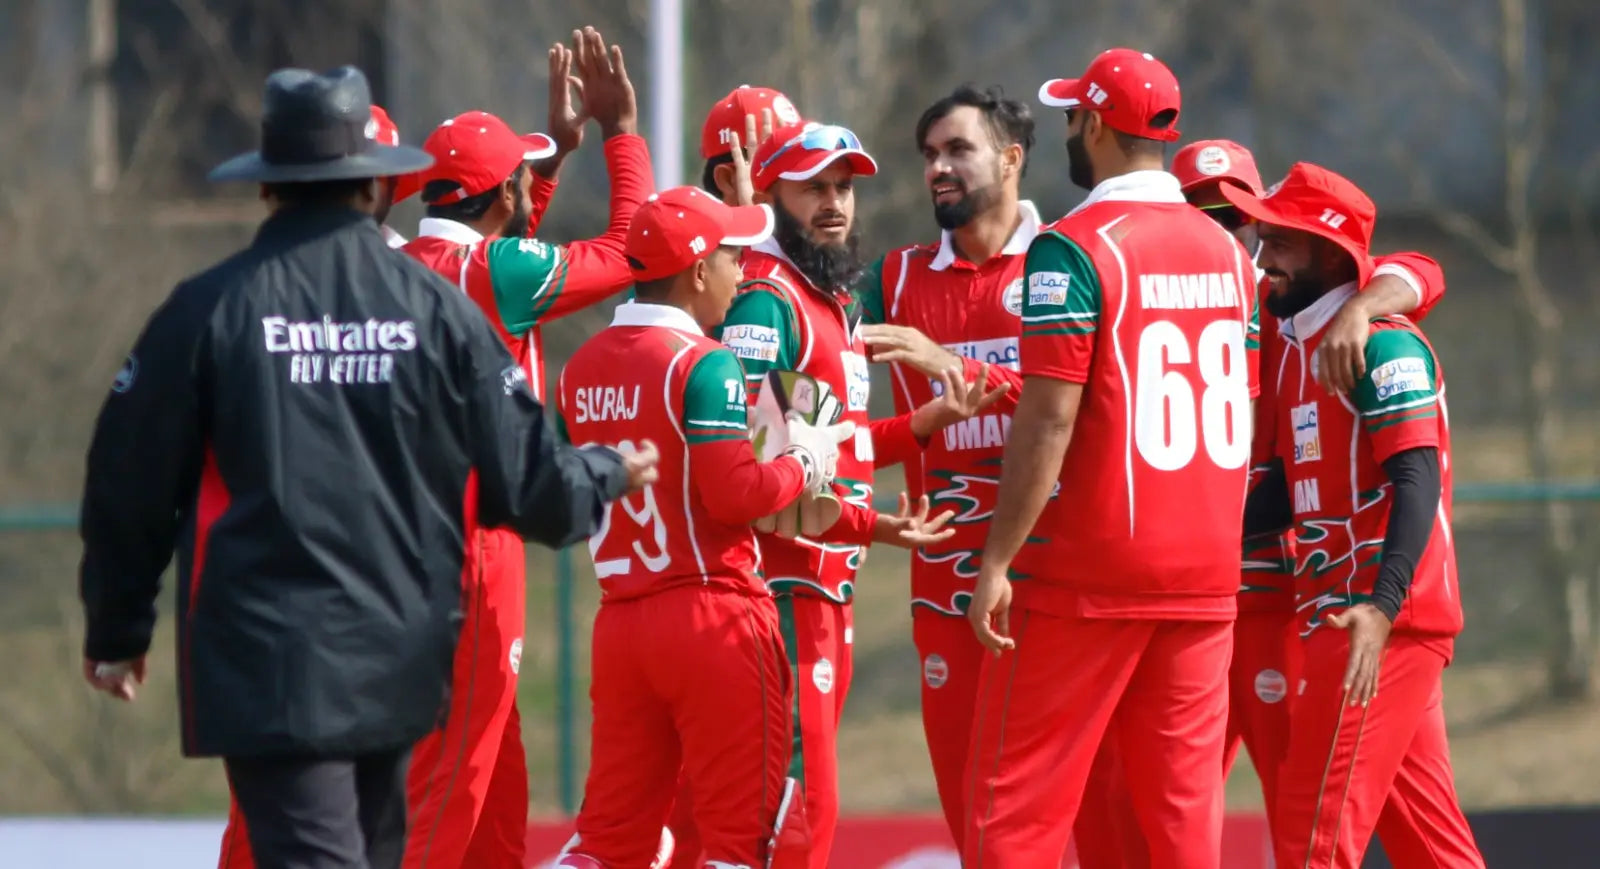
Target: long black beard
point(954, 215)
point(1300, 292)
point(1079, 170)
point(828, 266)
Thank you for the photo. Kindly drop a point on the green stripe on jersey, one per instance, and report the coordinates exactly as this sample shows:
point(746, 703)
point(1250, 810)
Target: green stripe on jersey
point(528, 275)
point(1401, 377)
point(713, 399)
point(1062, 284)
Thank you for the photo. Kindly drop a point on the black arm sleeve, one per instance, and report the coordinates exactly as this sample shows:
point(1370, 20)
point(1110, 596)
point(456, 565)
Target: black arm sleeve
point(142, 470)
point(1267, 509)
point(528, 478)
point(1417, 486)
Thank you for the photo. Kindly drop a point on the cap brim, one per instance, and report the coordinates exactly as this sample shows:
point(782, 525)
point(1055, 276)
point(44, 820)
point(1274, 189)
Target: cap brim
point(1225, 179)
point(1263, 212)
point(748, 224)
point(407, 186)
point(861, 163)
point(539, 146)
point(1061, 93)
point(378, 162)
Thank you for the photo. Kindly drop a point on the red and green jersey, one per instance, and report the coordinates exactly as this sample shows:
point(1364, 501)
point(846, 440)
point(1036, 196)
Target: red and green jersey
point(780, 321)
point(1150, 305)
point(1333, 448)
point(652, 375)
point(522, 283)
point(1267, 582)
point(973, 310)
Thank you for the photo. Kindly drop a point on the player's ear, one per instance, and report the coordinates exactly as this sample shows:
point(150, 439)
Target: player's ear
point(1011, 157)
point(701, 272)
point(723, 175)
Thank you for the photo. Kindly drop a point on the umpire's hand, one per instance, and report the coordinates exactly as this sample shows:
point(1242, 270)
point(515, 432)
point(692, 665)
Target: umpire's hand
point(120, 679)
point(641, 464)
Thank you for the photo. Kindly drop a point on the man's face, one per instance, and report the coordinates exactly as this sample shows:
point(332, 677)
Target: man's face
point(1209, 199)
point(1080, 168)
point(719, 284)
point(824, 204)
point(1296, 262)
point(386, 188)
point(516, 225)
point(961, 166)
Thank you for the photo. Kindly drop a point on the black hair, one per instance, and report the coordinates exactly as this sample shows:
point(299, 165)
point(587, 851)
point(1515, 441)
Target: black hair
point(468, 210)
point(317, 192)
point(1009, 121)
point(708, 176)
point(653, 291)
point(1139, 146)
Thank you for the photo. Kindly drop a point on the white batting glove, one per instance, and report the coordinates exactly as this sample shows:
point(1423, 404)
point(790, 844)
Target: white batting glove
point(817, 448)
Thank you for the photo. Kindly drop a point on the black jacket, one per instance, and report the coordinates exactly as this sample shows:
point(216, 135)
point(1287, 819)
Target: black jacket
point(313, 424)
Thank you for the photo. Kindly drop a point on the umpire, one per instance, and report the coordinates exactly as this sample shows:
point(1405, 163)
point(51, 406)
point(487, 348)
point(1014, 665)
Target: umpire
point(310, 424)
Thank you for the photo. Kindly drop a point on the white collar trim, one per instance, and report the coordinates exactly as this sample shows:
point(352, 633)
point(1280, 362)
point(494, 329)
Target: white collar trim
point(449, 230)
point(1309, 322)
point(1145, 185)
point(651, 314)
point(1017, 245)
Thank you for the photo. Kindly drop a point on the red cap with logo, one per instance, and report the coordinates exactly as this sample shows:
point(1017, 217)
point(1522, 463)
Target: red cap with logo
point(477, 150)
point(676, 228)
point(798, 153)
point(1315, 200)
point(381, 129)
point(727, 117)
point(1216, 160)
point(1128, 88)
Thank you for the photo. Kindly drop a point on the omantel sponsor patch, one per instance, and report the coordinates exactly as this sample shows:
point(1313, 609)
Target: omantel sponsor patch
point(1406, 374)
point(1048, 289)
point(752, 342)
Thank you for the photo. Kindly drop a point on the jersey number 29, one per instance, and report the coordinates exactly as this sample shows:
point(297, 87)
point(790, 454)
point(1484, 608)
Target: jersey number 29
point(648, 519)
point(1165, 415)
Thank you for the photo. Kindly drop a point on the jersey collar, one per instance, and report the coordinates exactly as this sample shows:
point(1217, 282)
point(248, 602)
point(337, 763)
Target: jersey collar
point(771, 248)
point(1027, 230)
point(449, 230)
point(1145, 185)
point(394, 239)
point(1308, 323)
point(638, 313)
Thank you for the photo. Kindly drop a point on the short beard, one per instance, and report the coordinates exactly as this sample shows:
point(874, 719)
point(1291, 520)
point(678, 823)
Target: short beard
point(954, 215)
point(828, 266)
point(1301, 291)
point(516, 226)
point(1079, 168)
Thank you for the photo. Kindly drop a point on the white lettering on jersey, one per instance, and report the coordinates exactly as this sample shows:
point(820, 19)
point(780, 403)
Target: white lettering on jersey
point(357, 352)
point(981, 432)
point(752, 342)
point(1306, 497)
point(605, 403)
point(1406, 374)
point(1209, 290)
point(1048, 288)
point(1307, 439)
point(857, 379)
point(995, 351)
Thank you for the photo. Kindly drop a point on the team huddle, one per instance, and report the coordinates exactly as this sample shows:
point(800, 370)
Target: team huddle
point(1148, 524)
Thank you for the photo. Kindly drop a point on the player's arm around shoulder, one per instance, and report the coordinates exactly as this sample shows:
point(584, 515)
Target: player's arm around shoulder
point(735, 487)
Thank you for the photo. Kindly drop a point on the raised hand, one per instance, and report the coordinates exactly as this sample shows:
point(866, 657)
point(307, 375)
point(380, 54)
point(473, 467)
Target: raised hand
point(913, 529)
point(959, 402)
point(608, 95)
point(566, 119)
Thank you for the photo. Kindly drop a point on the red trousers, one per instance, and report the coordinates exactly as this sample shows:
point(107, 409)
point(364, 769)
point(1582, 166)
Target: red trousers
point(1149, 686)
point(1107, 833)
point(1385, 768)
point(1265, 669)
point(689, 681)
point(467, 789)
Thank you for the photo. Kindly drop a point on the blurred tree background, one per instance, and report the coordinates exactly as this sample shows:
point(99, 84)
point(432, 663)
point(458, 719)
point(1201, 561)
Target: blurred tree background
point(1470, 122)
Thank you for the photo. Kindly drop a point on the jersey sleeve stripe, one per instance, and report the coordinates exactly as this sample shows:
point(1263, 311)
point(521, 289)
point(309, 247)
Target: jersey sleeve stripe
point(1033, 331)
point(1386, 410)
point(1045, 318)
point(716, 423)
point(1381, 424)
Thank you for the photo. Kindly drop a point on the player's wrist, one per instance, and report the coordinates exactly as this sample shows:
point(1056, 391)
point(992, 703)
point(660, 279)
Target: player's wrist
point(810, 467)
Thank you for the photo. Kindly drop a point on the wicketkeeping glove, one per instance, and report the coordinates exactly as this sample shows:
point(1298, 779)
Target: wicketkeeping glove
point(817, 448)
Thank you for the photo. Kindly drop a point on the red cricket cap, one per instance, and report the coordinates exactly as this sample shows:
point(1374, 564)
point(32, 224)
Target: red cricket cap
point(1128, 88)
point(381, 129)
point(727, 117)
point(1313, 199)
point(477, 150)
point(676, 228)
point(796, 153)
point(1216, 160)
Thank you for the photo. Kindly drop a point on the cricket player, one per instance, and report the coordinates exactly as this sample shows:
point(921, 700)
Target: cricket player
point(1375, 562)
point(1137, 337)
point(796, 312)
point(728, 122)
point(689, 665)
point(382, 130)
point(957, 304)
point(1265, 648)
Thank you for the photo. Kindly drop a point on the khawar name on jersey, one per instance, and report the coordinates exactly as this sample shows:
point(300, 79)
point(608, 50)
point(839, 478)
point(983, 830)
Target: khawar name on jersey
point(330, 351)
point(1209, 290)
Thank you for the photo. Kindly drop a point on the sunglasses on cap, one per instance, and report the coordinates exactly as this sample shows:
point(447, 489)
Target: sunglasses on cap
point(823, 137)
point(1227, 216)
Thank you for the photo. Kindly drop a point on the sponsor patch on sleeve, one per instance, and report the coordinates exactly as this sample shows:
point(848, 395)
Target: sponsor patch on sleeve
point(752, 342)
point(1048, 288)
point(1397, 376)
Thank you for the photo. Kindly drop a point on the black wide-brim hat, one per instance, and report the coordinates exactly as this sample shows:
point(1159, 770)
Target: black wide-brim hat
point(319, 128)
